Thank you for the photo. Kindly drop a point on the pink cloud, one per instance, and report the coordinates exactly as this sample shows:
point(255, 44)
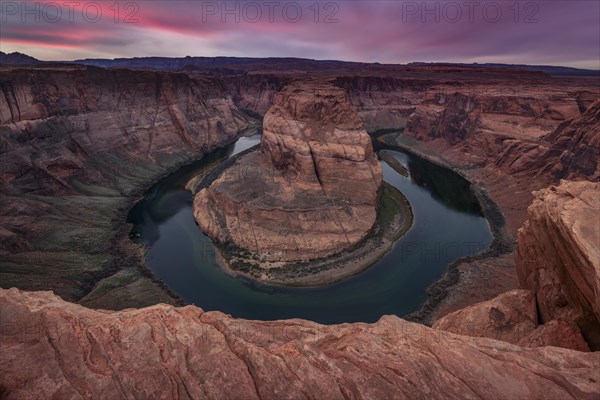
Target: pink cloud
point(385, 31)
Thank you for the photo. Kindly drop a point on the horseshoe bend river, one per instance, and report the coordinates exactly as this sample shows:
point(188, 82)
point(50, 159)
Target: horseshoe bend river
point(448, 224)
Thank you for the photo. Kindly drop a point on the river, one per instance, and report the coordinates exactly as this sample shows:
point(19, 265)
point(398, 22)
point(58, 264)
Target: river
point(448, 224)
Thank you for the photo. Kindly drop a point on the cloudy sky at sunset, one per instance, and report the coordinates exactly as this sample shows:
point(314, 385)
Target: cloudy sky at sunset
point(532, 32)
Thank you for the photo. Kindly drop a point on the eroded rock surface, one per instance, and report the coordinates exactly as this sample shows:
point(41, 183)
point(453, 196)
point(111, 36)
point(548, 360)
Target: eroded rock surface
point(512, 317)
point(53, 349)
point(313, 187)
point(508, 317)
point(570, 152)
point(558, 253)
point(78, 145)
point(64, 128)
point(475, 124)
point(556, 333)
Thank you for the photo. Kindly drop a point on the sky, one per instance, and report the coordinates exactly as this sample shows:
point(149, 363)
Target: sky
point(553, 32)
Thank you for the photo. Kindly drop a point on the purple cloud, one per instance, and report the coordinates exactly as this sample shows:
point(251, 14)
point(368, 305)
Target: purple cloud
point(535, 32)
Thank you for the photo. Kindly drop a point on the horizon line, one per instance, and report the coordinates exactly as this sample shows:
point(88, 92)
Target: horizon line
point(309, 59)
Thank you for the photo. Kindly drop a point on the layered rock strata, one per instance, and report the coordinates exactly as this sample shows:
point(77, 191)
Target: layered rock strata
point(67, 127)
point(473, 124)
point(558, 262)
point(78, 145)
point(569, 152)
point(512, 317)
point(508, 146)
point(558, 252)
point(310, 192)
point(53, 349)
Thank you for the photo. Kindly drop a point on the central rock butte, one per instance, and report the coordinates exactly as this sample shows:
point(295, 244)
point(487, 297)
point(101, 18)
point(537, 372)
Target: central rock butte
point(310, 192)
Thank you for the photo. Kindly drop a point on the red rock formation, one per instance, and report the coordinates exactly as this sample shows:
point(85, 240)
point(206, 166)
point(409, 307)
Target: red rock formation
point(315, 187)
point(53, 349)
point(570, 152)
point(101, 133)
point(62, 126)
point(512, 317)
point(556, 333)
point(77, 146)
point(558, 253)
point(508, 317)
point(315, 138)
point(81, 124)
point(477, 122)
point(500, 135)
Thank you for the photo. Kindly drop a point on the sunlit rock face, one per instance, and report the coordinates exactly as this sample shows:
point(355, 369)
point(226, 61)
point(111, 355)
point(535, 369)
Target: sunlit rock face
point(312, 189)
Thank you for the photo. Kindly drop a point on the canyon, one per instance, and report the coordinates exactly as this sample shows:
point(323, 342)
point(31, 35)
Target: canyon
point(107, 132)
point(80, 144)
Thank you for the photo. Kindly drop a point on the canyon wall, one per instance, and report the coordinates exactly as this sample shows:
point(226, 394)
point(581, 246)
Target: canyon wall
point(54, 349)
point(385, 102)
point(558, 252)
point(56, 124)
point(512, 317)
point(510, 136)
point(382, 102)
point(570, 152)
point(78, 145)
point(479, 110)
point(473, 122)
point(558, 265)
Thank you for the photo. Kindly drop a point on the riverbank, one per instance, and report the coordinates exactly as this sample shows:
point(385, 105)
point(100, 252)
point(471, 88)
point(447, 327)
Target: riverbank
point(127, 282)
point(451, 288)
point(118, 286)
point(394, 219)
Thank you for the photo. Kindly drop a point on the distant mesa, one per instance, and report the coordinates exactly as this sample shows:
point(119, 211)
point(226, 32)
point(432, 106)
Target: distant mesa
point(314, 187)
point(229, 64)
point(17, 58)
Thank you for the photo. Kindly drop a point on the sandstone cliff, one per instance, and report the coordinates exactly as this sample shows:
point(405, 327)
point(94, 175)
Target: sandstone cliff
point(77, 142)
point(558, 251)
point(512, 317)
point(509, 136)
point(77, 145)
point(474, 123)
point(58, 124)
point(54, 349)
point(570, 152)
point(314, 187)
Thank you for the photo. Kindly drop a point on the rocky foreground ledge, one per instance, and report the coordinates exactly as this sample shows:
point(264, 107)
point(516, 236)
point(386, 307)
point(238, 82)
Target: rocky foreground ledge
point(54, 349)
point(558, 262)
point(558, 253)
